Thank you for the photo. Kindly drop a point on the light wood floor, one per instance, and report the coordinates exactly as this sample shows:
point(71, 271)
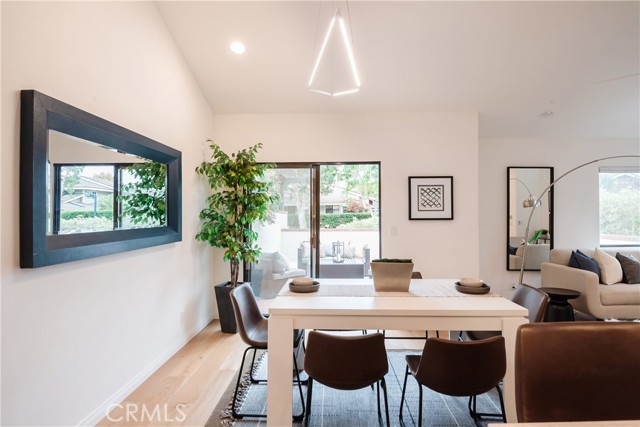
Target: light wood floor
point(186, 389)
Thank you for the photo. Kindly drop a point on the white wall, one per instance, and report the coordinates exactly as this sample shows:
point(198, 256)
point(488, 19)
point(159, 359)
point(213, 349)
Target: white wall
point(407, 144)
point(80, 335)
point(575, 201)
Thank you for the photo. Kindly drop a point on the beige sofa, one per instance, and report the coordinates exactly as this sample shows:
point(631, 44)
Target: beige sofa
point(620, 300)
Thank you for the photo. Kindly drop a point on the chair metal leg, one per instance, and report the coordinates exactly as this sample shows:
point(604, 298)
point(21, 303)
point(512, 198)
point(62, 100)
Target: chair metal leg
point(420, 405)
point(477, 416)
point(383, 383)
point(238, 415)
point(300, 416)
point(309, 393)
point(253, 362)
point(404, 389)
point(504, 414)
point(235, 392)
point(378, 399)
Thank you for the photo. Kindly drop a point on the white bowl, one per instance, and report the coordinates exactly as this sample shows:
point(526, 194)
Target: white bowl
point(471, 282)
point(302, 281)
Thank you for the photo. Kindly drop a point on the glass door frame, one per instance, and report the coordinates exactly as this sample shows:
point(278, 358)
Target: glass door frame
point(314, 210)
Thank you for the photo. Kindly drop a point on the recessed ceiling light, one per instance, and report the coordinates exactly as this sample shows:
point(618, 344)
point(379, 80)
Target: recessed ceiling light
point(237, 48)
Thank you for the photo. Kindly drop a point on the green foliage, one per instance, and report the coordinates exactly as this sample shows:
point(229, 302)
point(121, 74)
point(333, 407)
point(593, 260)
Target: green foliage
point(144, 199)
point(70, 178)
point(69, 215)
point(397, 260)
point(534, 238)
point(85, 224)
point(620, 204)
point(240, 197)
point(371, 223)
point(335, 220)
point(362, 178)
point(620, 213)
point(354, 206)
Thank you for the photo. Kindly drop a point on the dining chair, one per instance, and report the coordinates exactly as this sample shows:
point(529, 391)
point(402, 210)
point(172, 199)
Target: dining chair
point(253, 329)
point(346, 363)
point(458, 368)
point(577, 371)
point(533, 299)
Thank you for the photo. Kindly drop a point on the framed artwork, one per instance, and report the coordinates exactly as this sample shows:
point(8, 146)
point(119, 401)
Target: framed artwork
point(430, 197)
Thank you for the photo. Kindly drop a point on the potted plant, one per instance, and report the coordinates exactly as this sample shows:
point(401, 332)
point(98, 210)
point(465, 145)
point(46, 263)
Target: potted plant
point(391, 274)
point(240, 197)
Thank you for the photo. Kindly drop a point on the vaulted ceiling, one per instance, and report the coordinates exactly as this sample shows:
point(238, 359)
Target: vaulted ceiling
point(509, 61)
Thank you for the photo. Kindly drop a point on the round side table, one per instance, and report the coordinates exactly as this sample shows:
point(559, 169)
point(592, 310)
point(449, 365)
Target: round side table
point(559, 309)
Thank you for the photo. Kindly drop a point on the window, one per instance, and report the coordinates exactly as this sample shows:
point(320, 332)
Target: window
point(619, 206)
point(89, 198)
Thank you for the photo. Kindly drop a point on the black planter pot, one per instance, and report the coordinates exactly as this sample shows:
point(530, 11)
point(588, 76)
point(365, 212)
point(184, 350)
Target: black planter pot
point(225, 309)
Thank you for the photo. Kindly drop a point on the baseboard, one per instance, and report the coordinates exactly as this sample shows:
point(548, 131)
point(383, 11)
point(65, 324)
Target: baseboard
point(101, 412)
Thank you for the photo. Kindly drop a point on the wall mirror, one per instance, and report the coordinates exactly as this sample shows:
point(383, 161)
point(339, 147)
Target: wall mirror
point(89, 187)
point(524, 185)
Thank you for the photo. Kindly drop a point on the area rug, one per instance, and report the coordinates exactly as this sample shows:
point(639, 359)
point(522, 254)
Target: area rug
point(336, 408)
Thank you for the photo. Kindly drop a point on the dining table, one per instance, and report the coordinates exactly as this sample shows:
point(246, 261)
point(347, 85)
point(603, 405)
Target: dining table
point(430, 304)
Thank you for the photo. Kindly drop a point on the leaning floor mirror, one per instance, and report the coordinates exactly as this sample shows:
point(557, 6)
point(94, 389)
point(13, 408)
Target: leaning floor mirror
point(524, 186)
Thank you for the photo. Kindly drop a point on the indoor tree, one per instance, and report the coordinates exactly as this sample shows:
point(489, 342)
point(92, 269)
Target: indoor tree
point(240, 197)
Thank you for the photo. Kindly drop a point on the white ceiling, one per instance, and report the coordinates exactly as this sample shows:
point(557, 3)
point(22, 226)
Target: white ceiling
point(509, 61)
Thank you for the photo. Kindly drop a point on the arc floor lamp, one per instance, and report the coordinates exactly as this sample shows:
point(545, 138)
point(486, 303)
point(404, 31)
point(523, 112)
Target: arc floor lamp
point(537, 202)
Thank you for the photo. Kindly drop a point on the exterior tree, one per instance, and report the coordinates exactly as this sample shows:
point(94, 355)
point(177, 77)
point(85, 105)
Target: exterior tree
point(145, 198)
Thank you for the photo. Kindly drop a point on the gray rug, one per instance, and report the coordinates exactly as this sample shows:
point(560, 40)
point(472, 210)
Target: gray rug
point(336, 408)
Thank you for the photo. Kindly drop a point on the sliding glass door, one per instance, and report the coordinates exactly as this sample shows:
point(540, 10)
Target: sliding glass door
point(326, 224)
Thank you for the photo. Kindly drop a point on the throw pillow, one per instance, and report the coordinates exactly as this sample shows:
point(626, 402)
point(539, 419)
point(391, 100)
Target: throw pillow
point(349, 251)
point(630, 268)
point(279, 263)
point(609, 267)
point(306, 249)
point(584, 262)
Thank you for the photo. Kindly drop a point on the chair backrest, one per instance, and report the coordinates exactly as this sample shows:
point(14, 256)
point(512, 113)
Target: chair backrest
point(416, 275)
point(252, 325)
point(533, 299)
point(346, 362)
point(578, 371)
point(462, 368)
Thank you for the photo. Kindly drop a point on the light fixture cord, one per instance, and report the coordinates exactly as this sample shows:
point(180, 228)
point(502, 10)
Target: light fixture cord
point(526, 231)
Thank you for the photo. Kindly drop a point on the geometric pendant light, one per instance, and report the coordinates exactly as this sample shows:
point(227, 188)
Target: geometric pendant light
point(334, 71)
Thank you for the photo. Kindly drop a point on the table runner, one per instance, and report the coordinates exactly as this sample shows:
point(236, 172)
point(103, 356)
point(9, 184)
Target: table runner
point(367, 290)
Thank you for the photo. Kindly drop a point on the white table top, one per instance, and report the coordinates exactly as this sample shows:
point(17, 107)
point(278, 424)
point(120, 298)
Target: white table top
point(394, 303)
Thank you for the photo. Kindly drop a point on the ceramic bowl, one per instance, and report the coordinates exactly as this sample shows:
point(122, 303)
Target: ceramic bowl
point(471, 282)
point(302, 281)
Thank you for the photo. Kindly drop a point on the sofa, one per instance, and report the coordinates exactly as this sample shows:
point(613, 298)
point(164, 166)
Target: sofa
point(271, 272)
point(617, 300)
point(536, 255)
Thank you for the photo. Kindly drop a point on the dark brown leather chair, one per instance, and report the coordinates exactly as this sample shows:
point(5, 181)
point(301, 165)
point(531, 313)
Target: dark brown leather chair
point(578, 371)
point(346, 363)
point(253, 329)
point(533, 299)
point(416, 275)
point(458, 368)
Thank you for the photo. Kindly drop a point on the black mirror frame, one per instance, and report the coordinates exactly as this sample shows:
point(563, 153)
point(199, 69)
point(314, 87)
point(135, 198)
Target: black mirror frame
point(551, 207)
point(41, 113)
